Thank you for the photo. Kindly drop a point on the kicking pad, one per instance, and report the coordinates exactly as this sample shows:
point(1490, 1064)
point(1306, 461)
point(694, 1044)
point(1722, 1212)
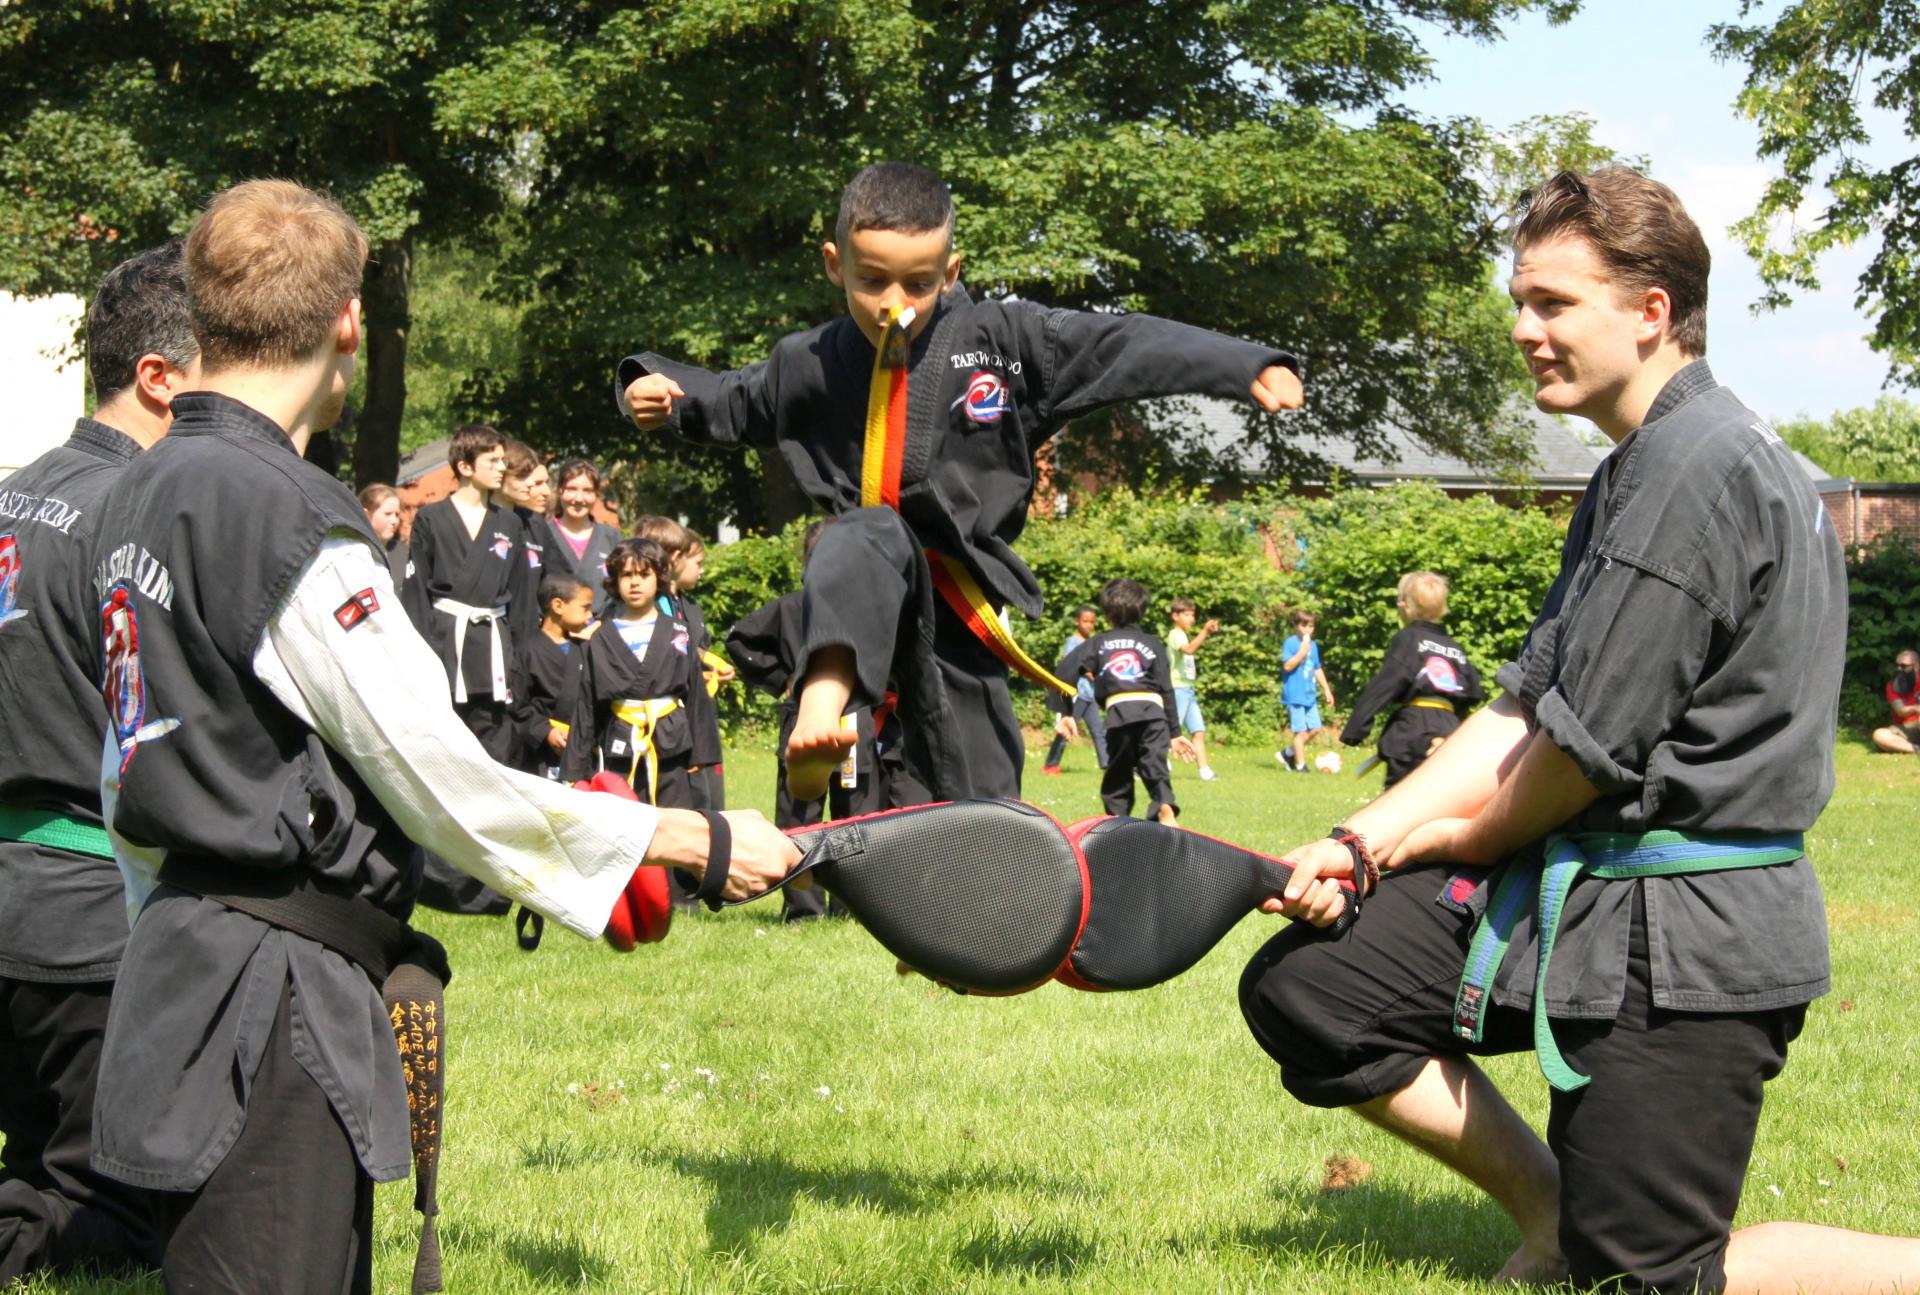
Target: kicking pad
point(644, 911)
point(996, 897)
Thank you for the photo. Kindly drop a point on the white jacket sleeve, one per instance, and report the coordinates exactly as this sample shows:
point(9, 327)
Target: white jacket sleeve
point(341, 654)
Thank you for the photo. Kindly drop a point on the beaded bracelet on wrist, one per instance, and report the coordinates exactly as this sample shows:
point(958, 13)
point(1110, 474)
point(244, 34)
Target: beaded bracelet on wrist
point(1365, 867)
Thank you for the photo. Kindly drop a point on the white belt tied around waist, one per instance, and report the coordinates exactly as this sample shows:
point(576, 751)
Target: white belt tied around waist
point(1152, 698)
point(467, 615)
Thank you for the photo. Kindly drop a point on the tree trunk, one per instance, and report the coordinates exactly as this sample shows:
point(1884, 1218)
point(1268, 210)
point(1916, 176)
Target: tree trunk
point(386, 295)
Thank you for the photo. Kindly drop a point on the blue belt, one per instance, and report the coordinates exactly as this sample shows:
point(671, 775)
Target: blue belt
point(1616, 856)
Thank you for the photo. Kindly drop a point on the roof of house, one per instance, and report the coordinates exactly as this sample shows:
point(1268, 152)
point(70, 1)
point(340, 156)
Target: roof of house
point(1562, 461)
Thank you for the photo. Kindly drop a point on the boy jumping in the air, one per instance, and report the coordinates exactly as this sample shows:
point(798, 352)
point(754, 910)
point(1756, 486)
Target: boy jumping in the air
point(915, 419)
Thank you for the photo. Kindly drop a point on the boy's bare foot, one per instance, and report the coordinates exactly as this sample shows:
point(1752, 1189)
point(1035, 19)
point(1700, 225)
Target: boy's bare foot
point(1167, 816)
point(1535, 1266)
point(819, 743)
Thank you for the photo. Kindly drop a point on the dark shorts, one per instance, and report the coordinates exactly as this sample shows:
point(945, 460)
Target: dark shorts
point(1652, 1153)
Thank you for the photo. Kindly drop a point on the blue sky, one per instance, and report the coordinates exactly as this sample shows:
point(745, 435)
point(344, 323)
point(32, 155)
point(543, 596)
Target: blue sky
point(1642, 71)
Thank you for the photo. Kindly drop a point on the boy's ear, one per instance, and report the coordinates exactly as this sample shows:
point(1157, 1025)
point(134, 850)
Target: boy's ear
point(953, 273)
point(347, 329)
point(830, 257)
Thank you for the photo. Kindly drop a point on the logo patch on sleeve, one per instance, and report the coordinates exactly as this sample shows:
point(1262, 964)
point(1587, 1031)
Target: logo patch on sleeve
point(356, 609)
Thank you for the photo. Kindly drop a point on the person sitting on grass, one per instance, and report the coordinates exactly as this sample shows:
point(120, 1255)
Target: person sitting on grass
point(1902, 737)
point(1303, 683)
point(1128, 667)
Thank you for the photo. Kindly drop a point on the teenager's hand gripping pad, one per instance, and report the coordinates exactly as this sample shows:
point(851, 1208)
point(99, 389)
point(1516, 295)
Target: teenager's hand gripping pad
point(984, 896)
point(644, 911)
point(1162, 898)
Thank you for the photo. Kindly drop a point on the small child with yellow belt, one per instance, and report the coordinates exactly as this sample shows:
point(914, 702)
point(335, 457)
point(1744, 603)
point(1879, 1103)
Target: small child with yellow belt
point(1134, 689)
point(1425, 679)
point(630, 717)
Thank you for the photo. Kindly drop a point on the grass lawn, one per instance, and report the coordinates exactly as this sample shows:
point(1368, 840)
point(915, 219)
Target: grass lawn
point(754, 1107)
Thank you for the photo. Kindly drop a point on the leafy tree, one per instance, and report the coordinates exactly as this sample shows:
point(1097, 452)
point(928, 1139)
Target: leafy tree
point(1241, 165)
point(118, 119)
point(1880, 442)
point(1808, 73)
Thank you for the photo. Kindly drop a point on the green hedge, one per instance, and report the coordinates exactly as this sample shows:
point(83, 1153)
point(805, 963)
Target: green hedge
point(1357, 544)
point(1883, 593)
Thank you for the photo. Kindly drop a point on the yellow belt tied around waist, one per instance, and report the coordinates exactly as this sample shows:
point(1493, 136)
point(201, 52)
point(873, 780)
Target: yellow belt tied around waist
point(1429, 703)
point(643, 716)
point(882, 457)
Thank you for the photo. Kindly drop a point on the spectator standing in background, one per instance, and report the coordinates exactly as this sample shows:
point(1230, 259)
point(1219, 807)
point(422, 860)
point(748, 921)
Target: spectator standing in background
point(1084, 710)
point(581, 544)
point(1303, 683)
point(381, 503)
point(1183, 642)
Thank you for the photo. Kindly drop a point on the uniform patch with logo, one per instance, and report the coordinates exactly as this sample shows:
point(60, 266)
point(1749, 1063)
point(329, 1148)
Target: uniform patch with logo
point(124, 686)
point(1441, 674)
point(1125, 667)
point(353, 612)
point(502, 546)
point(533, 557)
point(680, 642)
point(10, 579)
point(986, 397)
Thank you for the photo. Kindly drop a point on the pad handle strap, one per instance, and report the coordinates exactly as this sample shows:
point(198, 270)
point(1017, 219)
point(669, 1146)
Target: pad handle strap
point(713, 882)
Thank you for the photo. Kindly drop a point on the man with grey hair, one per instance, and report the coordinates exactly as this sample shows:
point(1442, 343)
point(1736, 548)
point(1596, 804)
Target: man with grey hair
point(63, 917)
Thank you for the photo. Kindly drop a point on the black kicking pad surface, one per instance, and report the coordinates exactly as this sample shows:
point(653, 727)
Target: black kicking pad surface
point(1162, 898)
point(984, 896)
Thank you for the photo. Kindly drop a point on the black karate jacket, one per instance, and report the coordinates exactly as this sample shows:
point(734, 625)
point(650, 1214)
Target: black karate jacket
point(988, 383)
point(609, 673)
point(484, 570)
point(546, 686)
point(1125, 660)
point(1422, 661)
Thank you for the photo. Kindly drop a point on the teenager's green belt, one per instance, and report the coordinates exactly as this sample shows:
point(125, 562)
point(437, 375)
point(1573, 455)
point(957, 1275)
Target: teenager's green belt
point(1616, 856)
point(61, 831)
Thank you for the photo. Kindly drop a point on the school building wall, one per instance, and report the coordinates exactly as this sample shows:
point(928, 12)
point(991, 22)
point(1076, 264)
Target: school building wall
point(1866, 511)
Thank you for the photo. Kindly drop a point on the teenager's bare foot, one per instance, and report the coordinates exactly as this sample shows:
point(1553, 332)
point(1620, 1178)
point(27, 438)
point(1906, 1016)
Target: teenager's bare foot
point(1535, 1266)
point(819, 743)
point(1167, 816)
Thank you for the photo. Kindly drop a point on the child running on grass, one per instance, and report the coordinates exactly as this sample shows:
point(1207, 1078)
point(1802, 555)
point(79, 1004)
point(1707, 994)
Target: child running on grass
point(1303, 684)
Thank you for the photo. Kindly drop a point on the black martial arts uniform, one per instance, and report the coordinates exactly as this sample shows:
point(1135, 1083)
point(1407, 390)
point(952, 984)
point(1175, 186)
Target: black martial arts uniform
point(708, 774)
point(1134, 690)
point(217, 1014)
point(546, 688)
point(764, 646)
point(524, 612)
point(630, 713)
point(63, 913)
point(1430, 685)
point(462, 596)
point(590, 568)
point(469, 597)
point(1688, 660)
point(988, 383)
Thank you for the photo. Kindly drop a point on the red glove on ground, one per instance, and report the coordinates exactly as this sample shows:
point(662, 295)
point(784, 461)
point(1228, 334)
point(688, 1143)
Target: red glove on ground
point(644, 910)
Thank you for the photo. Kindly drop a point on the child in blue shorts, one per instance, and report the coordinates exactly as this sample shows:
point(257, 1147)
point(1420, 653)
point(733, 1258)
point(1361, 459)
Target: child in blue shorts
point(1303, 683)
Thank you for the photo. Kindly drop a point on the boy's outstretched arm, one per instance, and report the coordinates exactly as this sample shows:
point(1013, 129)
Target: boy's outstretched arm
point(1087, 360)
point(730, 408)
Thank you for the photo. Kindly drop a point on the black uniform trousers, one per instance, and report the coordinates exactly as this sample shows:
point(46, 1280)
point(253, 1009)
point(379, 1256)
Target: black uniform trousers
point(1410, 736)
point(292, 1160)
point(1140, 747)
point(867, 588)
point(1652, 1153)
point(56, 1212)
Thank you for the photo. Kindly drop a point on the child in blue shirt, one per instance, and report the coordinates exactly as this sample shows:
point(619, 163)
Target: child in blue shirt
point(1301, 687)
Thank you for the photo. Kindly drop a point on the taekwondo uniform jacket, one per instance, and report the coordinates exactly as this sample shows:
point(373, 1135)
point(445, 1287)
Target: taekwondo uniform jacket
point(988, 384)
point(257, 676)
point(484, 571)
point(1131, 680)
point(1430, 685)
point(62, 914)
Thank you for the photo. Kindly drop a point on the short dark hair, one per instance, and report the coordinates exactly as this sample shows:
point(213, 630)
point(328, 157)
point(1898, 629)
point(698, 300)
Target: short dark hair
point(1085, 609)
point(558, 585)
point(895, 195)
point(1640, 232)
point(811, 536)
point(670, 535)
point(468, 443)
point(1123, 601)
point(140, 308)
point(1179, 605)
point(635, 553)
